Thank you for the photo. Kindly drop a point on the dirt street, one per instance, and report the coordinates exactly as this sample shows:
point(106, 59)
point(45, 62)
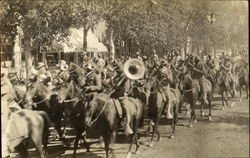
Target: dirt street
point(227, 135)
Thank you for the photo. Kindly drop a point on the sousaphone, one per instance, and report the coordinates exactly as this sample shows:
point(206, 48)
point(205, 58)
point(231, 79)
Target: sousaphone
point(134, 69)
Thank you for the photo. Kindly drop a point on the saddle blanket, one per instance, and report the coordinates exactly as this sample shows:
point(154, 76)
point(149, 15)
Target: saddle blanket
point(118, 107)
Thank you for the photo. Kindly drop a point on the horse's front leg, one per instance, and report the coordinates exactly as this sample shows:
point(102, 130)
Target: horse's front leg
point(153, 134)
point(202, 114)
point(210, 106)
point(131, 141)
point(222, 100)
point(106, 137)
point(86, 144)
point(174, 120)
point(193, 116)
point(78, 136)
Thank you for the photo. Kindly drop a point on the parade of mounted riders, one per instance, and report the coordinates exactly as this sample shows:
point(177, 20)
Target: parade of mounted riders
point(165, 79)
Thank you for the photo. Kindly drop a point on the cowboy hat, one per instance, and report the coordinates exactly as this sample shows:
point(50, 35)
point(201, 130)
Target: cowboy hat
point(40, 64)
point(61, 62)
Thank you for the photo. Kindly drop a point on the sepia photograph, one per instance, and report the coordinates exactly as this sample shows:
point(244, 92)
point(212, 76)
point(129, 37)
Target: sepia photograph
point(124, 78)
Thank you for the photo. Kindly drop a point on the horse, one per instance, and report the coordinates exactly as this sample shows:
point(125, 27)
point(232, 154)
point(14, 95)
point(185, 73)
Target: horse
point(157, 101)
point(24, 124)
point(70, 93)
point(101, 110)
point(243, 81)
point(225, 87)
point(38, 97)
point(191, 92)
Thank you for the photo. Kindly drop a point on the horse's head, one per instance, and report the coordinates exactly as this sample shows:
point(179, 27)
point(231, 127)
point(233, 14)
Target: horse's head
point(66, 90)
point(91, 109)
point(36, 92)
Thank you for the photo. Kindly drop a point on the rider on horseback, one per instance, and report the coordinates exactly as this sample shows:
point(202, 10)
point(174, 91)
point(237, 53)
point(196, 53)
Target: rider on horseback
point(226, 68)
point(94, 81)
point(211, 66)
point(120, 92)
point(199, 72)
point(63, 74)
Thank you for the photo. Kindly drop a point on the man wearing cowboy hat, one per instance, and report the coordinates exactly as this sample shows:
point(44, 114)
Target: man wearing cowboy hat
point(43, 74)
point(226, 68)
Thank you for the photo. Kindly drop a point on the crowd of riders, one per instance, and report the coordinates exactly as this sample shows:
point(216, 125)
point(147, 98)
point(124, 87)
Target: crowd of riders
point(101, 74)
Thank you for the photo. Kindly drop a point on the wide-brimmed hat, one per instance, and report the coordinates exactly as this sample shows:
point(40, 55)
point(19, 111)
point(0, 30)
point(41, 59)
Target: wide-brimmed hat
point(40, 64)
point(63, 65)
point(197, 58)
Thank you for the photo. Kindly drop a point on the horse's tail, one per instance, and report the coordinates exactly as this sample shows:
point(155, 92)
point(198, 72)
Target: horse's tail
point(46, 121)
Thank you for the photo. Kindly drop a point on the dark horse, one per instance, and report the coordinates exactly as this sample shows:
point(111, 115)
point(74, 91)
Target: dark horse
point(158, 101)
point(38, 97)
point(191, 93)
point(101, 110)
point(243, 80)
point(225, 87)
point(25, 124)
point(70, 94)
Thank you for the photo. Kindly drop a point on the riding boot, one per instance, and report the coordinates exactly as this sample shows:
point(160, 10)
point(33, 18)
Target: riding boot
point(169, 115)
point(128, 130)
point(205, 98)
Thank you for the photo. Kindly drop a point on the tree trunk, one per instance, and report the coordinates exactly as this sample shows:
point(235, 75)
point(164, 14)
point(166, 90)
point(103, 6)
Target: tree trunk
point(85, 34)
point(17, 54)
point(112, 45)
point(27, 52)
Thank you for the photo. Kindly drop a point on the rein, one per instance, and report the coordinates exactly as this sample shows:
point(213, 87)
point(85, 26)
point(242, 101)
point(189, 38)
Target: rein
point(104, 106)
point(42, 100)
point(70, 100)
point(187, 90)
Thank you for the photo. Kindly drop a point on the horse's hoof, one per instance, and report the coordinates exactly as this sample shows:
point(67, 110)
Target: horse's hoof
point(195, 121)
point(190, 126)
point(171, 137)
point(137, 152)
point(151, 145)
point(232, 105)
point(129, 155)
point(240, 100)
point(210, 118)
point(222, 108)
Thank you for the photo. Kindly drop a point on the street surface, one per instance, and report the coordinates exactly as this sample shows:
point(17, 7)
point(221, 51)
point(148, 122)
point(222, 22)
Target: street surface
point(227, 135)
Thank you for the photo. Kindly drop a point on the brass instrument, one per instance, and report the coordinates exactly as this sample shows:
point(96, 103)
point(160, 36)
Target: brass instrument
point(134, 69)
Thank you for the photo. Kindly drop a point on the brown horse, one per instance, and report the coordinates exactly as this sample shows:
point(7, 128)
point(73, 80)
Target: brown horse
point(225, 87)
point(38, 97)
point(70, 95)
point(158, 101)
point(25, 124)
point(101, 110)
point(191, 92)
point(243, 81)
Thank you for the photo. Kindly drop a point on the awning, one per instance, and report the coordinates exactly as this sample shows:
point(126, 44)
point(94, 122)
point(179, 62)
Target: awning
point(75, 43)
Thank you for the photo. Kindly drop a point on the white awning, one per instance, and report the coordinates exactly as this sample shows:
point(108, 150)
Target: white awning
point(75, 43)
